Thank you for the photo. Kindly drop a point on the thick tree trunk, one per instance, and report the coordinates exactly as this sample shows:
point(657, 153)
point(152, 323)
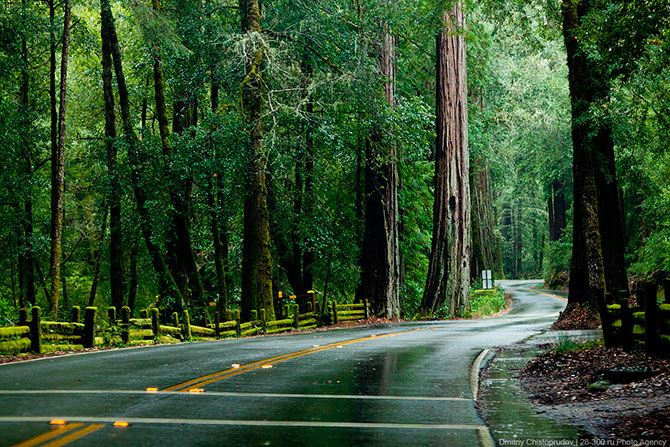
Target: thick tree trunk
point(97, 260)
point(587, 271)
point(58, 173)
point(380, 264)
point(169, 292)
point(448, 281)
point(256, 258)
point(116, 273)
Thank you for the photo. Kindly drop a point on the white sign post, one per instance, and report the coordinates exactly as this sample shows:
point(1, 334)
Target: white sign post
point(487, 281)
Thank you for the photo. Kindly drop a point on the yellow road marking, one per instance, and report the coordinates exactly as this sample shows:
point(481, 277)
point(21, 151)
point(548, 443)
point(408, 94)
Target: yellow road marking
point(215, 377)
point(74, 436)
point(550, 294)
point(47, 436)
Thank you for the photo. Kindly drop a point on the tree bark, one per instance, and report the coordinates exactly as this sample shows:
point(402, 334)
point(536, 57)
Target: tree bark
point(58, 172)
point(557, 210)
point(380, 262)
point(486, 245)
point(256, 258)
point(448, 280)
point(586, 271)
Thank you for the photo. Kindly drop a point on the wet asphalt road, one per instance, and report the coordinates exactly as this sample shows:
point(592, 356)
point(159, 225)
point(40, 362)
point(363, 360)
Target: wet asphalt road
point(393, 385)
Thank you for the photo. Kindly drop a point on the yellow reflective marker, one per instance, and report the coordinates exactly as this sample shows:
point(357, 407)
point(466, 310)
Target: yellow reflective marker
point(315, 346)
point(235, 365)
point(279, 294)
point(310, 291)
point(266, 366)
point(339, 347)
point(212, 304)
point(292, 297)
point(120, 424)
point(57, 422)
point(152, 390)
point(196, 390)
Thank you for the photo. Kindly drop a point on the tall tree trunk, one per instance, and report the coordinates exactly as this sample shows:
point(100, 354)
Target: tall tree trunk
point(25, 233)
point(586, 271)
point(557, 210)
point(256, 258)
point(380, 262)
point(116, 272)
point(58, 173)
point(448, 280)
point(486, 244)
point(308, 202)
point(169, 292)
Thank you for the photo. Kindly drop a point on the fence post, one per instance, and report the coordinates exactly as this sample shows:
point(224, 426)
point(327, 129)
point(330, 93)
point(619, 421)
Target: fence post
point(36, 330)
point(296, 316)
point(23, 317)
point(125, 324)
point(217, 320)
point(651, 337)
point(89, 326)
point(238, 329)
point(186, 326)
point(111, 314)
point(310, 308)
point(254, 315)
point(76, 314)
point(263, 319)
point(334, 304)
point(310, 297)
point(175, 319)
point(286, 311)
point(366, 309)
point(155, 322)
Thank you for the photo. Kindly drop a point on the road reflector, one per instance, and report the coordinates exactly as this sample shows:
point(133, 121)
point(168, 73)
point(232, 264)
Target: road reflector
point(372, 336)
point(339, 347)
point(57, 422)
point(152, 390)
point(235, 365)
point(266, 366)
point(315, 346)
point(196, 390)
point(120, 424)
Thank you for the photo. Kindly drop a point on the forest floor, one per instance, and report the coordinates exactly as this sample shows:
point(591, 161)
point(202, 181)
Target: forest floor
point(639, 411)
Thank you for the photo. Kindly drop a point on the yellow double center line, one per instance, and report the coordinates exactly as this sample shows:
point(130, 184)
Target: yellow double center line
point(215, 377)
point(50, 435)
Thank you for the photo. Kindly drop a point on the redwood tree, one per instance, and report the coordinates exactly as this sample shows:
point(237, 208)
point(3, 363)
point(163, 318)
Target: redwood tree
point(256, 258)
point(448, 281)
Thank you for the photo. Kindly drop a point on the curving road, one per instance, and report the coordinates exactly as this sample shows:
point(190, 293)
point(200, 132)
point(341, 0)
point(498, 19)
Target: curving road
point(400, 384)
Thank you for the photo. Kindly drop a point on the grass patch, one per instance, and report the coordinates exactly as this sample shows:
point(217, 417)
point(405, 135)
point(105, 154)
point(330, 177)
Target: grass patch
point(486, 302)
point(566, 345)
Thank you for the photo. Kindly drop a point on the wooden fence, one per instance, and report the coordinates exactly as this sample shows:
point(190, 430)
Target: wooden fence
point(35, 335)
point(647, 324)
point(343, 313)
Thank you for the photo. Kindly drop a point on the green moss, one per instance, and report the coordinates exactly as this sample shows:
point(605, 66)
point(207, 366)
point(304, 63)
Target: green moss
point(285, 321)
point(63, 328)
point(15, 331)
point(12, 347)
point(171, 330)
point(638, 316)
point(616, 323)
point(144, 334)
point(202, 331)
point(665, 307)
point(250, 332)
point(638, 329)
point(144, 323)
point(228, 334)
point(64, 337)
point(278, 330)
point(46, 348)
point(614, 307)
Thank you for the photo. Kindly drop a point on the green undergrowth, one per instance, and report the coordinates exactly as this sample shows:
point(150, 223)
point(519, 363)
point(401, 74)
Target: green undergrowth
point(486, 302)
point(566, 345)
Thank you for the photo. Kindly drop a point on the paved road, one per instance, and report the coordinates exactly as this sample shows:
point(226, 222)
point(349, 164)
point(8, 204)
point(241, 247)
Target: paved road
point(401, 384)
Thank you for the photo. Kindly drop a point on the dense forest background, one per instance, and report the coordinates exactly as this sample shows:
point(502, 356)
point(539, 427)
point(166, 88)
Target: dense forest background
point(170, 180)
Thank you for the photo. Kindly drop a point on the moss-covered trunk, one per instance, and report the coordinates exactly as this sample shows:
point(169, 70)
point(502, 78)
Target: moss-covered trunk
point(58, 172)
point(256, 258)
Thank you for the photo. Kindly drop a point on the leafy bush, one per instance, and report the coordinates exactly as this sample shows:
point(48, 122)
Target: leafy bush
point(486, 302)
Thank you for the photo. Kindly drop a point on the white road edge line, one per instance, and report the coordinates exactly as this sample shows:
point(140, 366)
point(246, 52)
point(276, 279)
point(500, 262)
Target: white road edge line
point(485, 436)
point(234, 394)
point(227, 422)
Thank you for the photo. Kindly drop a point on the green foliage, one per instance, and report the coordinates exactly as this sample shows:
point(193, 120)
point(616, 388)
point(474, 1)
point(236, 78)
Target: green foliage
point(486, 302)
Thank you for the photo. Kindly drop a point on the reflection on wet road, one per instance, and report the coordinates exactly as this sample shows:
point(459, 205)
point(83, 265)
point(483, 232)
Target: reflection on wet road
point(401, 384)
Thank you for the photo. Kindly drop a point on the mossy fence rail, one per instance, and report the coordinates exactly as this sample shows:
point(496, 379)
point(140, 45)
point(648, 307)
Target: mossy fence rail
point(645, 324)
point(35, 335)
